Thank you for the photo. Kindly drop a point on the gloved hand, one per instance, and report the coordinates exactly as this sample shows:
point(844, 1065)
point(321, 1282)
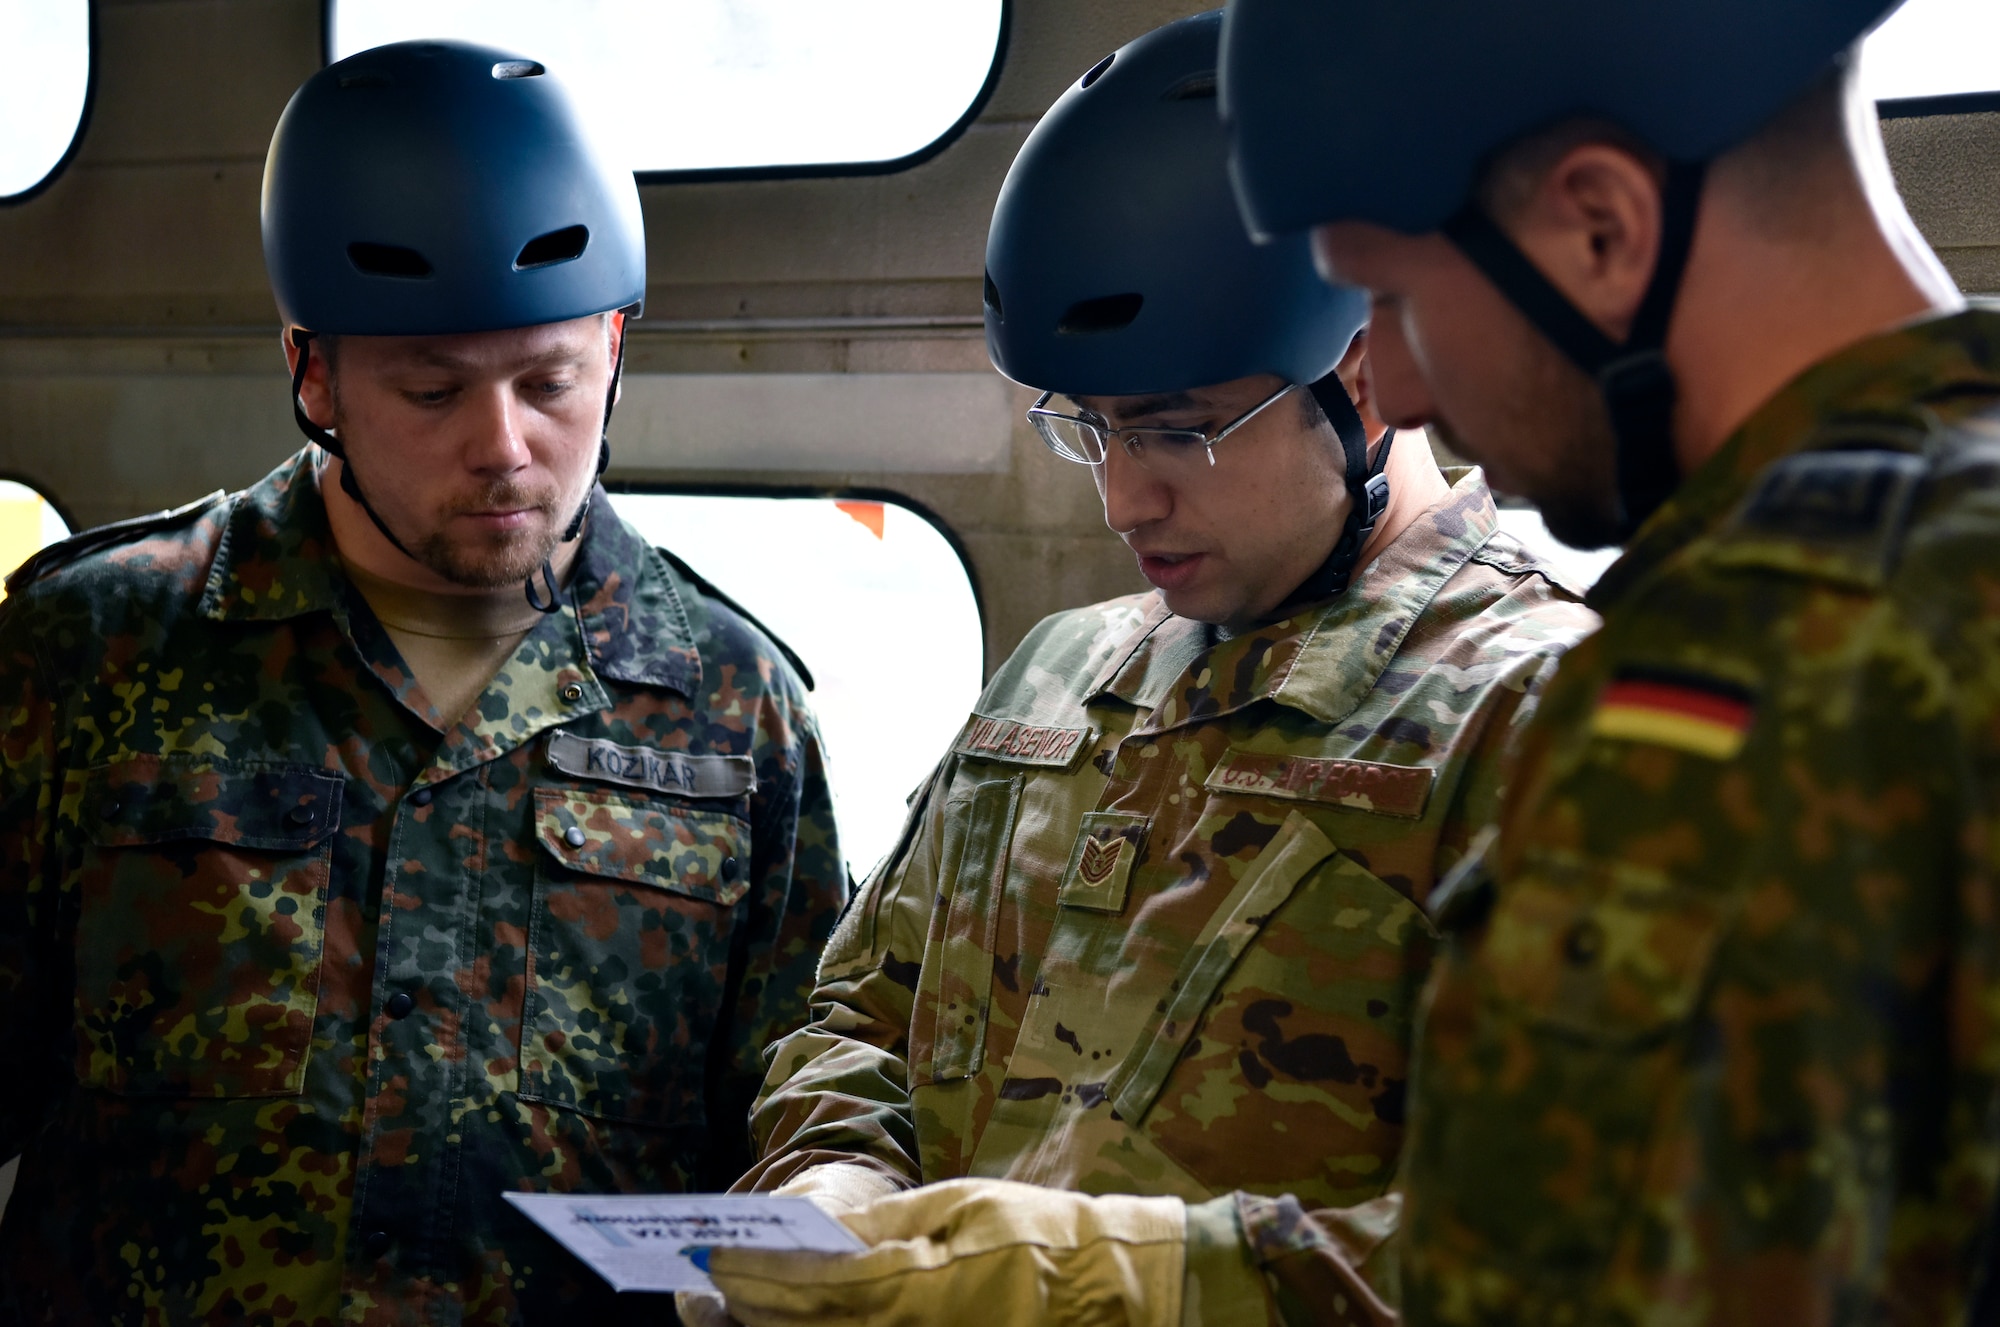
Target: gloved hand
point(993, 1249)
point(836, 1188)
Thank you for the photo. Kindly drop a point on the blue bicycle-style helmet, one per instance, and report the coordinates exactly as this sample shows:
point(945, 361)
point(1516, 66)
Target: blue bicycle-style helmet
point(438, 187)
point(1324, 126)
point(1117, 263)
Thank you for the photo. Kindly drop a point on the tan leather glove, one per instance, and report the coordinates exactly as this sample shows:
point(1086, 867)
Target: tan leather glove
point(987, 1250)
point(836, 1188)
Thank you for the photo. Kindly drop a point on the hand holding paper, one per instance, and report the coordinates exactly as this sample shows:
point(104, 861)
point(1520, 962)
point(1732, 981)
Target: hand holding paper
point(645, 1243)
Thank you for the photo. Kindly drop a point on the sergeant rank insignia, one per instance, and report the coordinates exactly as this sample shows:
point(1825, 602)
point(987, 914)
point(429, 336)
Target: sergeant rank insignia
point(1100, 864)
point(1686, 711)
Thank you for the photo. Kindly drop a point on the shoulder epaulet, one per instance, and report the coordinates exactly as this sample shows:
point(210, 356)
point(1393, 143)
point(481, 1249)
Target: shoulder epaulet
point(1836, 512)
point(65, 551)
point(708, 587)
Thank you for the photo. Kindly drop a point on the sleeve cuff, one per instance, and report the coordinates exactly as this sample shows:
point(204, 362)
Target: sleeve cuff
point(1222, 1285)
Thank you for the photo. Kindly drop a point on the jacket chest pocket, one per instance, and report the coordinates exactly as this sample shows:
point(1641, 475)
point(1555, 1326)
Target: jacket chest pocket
point(201, 923)
point(1558, 1032)
point(1288, 1019)
point(628, 952)
point(948, 1027)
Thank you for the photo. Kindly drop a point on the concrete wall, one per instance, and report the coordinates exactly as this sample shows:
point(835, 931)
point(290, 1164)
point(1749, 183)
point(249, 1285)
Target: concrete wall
point(138, 343)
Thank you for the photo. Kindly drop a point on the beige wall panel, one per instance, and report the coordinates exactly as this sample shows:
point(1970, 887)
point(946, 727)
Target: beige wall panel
point(110, 446)
point(179, 78)
point(1948, 168)
point(138, 246)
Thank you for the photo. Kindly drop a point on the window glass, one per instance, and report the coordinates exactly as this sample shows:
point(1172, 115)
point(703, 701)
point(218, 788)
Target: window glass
point(47, 43)
point(1934, 48)
point(29, 523)
point(729, 84)
point(880, 606)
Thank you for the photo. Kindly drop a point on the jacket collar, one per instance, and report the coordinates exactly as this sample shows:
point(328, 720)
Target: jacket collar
point(277, 560)
point(1889, 391)
point(1324, 659)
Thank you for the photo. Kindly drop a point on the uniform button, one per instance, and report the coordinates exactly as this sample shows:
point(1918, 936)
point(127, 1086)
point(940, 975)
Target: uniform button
point(376, 1243)
point(300, 815)
point(399, 1005)
point(572, 693)
point(421, 797)
point(573, 837)
point(730, 866)
point(1584, 943)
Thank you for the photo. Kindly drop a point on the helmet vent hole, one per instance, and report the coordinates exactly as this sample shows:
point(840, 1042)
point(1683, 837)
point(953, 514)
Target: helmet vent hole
point(392, 260)
point(1195, 87)
point(1097, 70)
point(558, 246)
point(518, 69)
point(1106, 313)
point(993, 299)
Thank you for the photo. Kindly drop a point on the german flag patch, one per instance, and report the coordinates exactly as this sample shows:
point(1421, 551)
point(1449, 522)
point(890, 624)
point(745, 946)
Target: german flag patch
point(1687, 711)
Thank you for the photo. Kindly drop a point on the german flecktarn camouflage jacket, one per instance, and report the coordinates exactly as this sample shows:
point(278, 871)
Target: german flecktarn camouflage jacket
point(293, 984)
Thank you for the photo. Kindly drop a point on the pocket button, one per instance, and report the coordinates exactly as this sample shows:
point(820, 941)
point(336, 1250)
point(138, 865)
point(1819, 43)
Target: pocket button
point(1584, 943)
point(300, 816)
point(573, 837)
point(399, 1005)
point(730, 867)
point(421, 797)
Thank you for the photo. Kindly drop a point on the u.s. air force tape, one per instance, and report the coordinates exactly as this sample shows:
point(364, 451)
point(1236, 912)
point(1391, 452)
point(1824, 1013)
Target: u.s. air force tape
point(674, 772)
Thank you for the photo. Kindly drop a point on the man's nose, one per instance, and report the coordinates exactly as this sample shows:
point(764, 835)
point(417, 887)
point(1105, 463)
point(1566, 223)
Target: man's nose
point(1133, 495)
point(494, 441)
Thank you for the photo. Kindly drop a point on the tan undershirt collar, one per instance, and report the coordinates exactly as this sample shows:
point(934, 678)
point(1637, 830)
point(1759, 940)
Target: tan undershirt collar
point(454, 643)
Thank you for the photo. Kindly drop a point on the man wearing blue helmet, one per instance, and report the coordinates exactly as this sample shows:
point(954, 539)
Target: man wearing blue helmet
point(1155, 927)
point(343, 885)
point(1716, 1033)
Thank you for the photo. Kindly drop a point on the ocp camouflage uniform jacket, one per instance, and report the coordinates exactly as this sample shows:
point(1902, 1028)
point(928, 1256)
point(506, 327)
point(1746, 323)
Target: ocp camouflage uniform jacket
point(294, 984)
point(1156, 924)
point(1716, 1040)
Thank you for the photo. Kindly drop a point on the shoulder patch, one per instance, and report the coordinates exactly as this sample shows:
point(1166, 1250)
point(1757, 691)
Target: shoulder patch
point(708, 587)
point(1692, 712)
point(1836, 513)
point(65, 551)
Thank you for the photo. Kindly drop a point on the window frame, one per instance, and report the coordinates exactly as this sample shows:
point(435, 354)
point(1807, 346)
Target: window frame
point(1950, 103)
point(69, 154)
point(829, 492)
point(42, 491)
point(800, 171)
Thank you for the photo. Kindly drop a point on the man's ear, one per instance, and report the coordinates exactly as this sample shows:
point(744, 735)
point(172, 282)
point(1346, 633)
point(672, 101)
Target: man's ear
point(1354, 376)
point(317, 390)
point(615, 331)
point(1593, 228)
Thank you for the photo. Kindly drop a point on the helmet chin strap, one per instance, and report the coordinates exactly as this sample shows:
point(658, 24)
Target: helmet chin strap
point(1367, 492)
point(329, 443)
point(1634, 377)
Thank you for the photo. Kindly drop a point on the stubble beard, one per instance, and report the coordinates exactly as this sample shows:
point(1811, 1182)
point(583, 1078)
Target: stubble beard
point(1553, 420)
point(480, 563)
point(503, 559)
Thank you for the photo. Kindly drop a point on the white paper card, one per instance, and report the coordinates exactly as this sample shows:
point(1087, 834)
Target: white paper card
point(643, 1243)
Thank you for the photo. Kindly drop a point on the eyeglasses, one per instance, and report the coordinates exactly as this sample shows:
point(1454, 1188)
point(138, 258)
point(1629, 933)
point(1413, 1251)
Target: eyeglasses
point(1083, 438)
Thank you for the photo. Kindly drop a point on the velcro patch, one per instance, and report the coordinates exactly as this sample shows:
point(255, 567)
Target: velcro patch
point(1363, 785)
point(1665, 707)
point(674, 772)
point(1833, 494)
point(1021, 743)
point(1100, 864)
